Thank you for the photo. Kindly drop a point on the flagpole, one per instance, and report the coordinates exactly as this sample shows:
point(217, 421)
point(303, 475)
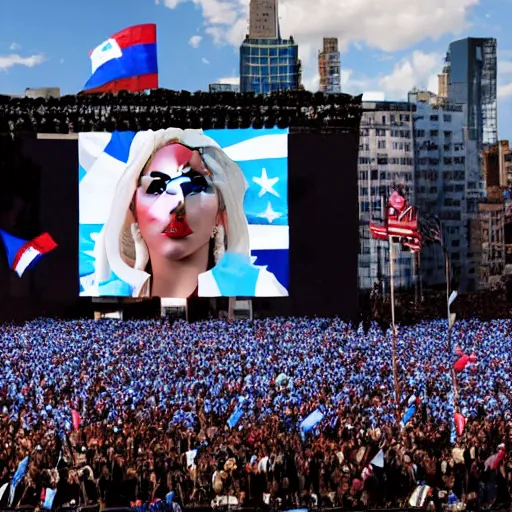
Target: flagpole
point(448, 293)
point(393, 323)
point(416, 280)
point(418, 259)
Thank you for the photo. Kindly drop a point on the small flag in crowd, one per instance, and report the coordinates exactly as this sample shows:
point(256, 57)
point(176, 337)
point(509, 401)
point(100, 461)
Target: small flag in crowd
point(76, 419)
point(237, 413)
point(22, 254)
point(451, 319)
point(310, 423)
point(378, 460)
point(126, 61)
point(18, 477)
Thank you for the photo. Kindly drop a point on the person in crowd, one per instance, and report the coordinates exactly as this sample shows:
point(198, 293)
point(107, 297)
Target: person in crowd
point(142, 414)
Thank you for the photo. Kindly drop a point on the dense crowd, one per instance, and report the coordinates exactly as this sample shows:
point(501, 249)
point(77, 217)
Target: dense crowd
point(126, 413)
point(162, 107)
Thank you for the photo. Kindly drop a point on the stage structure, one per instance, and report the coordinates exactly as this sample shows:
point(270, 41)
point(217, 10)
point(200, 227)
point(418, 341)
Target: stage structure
point(319, 274)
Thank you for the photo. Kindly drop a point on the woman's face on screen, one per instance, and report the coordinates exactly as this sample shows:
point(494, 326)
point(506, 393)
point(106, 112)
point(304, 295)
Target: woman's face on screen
point(176, 205)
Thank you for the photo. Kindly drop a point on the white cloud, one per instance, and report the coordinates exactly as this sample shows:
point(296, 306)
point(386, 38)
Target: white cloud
point(232, 80)
point(205, 61)
point(8, 61)
point(388, 26)
point(311, 83)
point(170, 3)
point(504, 72)
point(505, 91)
point(505, 67)
point(418, 70)
point(194, 41)
point(15, 46)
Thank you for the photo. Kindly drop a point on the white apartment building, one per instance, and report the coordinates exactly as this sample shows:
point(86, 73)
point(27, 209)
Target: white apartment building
point(448, 183)
point(386, 158)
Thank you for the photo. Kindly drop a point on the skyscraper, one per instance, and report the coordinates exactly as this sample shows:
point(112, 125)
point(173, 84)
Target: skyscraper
point(267, 62)
point(329, 66)
point(471, 64)
point(263, 19)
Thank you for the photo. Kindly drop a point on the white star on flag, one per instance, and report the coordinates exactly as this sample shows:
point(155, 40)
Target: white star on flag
point(267, 184)
point(270, 214)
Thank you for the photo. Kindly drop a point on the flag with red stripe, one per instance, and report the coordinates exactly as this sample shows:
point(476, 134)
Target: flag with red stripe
point(23, 254)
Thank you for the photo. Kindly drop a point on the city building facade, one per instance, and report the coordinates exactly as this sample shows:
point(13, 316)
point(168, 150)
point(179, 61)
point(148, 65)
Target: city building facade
point(451, 178)
point(263, 19)
point(488, 243)
point(329, 66)
point(268, 63)
point(447, 179)
point(224, 88)
point(386, 160)
point(471, 66)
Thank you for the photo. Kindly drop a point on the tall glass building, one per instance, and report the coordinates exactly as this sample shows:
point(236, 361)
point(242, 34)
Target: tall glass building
point(268, 62)
point(472, 81)
point(268, 65)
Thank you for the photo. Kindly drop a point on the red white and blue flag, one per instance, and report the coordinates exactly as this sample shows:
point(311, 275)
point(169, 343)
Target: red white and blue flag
point(127, 61)
point(22, 254)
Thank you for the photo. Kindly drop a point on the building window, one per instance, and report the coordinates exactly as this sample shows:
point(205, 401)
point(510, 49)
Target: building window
point(434, 118)
point(381, 144)
point(447, 118)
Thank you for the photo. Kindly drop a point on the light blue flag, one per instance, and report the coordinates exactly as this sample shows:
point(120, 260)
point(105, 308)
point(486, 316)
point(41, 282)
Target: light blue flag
point(408, 415)
point(237, 413)
point(48, 498)
point(310, 423)
point(18, 477)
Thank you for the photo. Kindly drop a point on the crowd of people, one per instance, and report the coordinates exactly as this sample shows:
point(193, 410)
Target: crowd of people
point(181, 109)
point(129, 413)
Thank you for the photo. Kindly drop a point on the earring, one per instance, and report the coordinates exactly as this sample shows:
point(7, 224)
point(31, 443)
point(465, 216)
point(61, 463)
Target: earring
point(220, 243)
point(214, 232)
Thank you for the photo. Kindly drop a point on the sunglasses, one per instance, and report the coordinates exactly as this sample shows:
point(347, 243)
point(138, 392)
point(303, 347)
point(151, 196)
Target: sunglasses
point(191, 183)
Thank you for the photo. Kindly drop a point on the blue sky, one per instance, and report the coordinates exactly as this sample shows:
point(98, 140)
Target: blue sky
point(386, 46)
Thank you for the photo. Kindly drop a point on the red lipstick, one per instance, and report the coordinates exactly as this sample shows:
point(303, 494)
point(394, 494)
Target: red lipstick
point(178, 228)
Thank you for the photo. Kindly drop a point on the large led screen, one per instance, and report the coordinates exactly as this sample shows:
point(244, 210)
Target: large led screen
point(181, 213)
